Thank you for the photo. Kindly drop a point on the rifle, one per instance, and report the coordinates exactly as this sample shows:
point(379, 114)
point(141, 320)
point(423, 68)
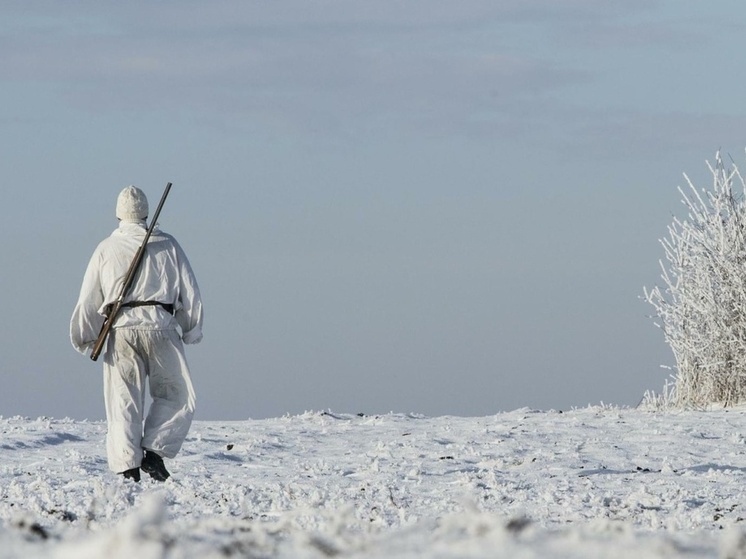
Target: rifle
point(129, 279)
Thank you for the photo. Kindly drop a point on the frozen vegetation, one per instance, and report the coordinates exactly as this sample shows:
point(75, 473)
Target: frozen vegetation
point(701, 303)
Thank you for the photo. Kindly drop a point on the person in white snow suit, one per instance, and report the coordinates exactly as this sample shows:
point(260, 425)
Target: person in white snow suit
point(162, 311)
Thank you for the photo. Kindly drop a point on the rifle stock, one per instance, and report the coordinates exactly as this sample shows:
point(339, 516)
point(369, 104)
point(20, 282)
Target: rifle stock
point(128, 281)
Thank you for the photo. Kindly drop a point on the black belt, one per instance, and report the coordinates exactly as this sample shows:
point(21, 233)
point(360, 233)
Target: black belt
point(168, 306)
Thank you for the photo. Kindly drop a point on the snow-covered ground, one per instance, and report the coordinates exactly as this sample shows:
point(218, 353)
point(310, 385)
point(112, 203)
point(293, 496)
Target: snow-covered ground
point(590, 483)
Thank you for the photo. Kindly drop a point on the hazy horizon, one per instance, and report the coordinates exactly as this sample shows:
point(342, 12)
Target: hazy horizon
point(439, 208)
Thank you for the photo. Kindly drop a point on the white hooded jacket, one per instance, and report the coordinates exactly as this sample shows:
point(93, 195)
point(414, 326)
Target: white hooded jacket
point(165, 275)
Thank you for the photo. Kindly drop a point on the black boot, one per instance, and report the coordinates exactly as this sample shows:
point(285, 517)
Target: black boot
point(152, 464)
point(133, 474)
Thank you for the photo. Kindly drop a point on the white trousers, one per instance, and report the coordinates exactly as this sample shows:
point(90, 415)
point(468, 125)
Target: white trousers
point(131, 357)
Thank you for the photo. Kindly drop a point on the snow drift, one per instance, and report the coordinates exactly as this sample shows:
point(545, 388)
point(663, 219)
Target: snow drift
point(596, 482)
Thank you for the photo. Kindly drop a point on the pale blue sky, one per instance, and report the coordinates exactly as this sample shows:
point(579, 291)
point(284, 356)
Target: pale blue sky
point(432, 207)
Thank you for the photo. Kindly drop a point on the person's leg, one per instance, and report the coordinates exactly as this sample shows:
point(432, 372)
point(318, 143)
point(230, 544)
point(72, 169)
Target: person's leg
point(124, 376)
point(171, 412)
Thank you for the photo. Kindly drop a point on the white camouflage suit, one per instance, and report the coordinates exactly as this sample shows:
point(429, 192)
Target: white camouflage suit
point(145, 341)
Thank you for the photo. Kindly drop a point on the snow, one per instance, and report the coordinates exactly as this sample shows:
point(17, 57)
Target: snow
point(586, 483)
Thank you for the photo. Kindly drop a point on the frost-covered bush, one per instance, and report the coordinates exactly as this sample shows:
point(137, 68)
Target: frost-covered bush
point(701, 305)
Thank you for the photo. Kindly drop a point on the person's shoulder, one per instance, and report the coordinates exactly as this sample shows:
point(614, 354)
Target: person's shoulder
point(105, 247)
point(123, 234)
point(106, 242)
point(165, 239)
point(160, 235)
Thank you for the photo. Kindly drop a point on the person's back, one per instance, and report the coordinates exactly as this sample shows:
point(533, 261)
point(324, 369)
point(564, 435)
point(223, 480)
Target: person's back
point(162, 308)
point(164, 276)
